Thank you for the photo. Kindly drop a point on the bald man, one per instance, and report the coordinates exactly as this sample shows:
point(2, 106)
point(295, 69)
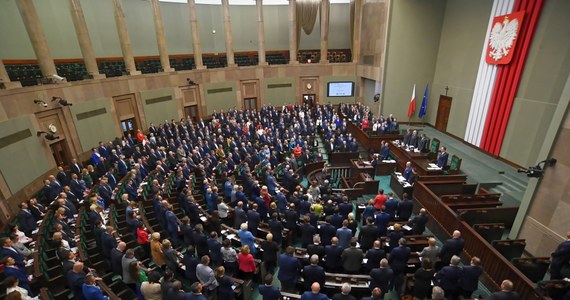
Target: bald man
point(315, 293)
point(506, 292)
point(451, 247)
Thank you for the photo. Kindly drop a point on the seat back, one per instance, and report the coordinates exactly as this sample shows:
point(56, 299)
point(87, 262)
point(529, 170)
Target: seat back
point(510, 248)
point(455, 163)
point(533, 267)
point(491, 231)
point(434, 146)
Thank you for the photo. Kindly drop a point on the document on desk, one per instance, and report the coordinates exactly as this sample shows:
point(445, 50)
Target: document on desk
point(407, 227)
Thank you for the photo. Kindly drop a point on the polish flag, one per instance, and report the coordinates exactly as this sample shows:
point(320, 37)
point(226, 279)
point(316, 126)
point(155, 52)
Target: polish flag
point(412, 107)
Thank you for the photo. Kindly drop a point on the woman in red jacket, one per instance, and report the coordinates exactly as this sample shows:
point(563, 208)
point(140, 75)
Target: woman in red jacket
point(142, 238)
point(246, 263)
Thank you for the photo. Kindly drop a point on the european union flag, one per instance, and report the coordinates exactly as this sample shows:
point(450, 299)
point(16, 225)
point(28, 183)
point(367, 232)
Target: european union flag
point(423, 109)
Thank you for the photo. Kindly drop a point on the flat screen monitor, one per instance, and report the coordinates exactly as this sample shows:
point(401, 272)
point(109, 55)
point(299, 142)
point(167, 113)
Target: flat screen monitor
point(340, 89)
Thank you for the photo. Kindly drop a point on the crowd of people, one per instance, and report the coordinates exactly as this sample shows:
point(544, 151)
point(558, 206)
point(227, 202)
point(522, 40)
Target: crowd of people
point(226, 169)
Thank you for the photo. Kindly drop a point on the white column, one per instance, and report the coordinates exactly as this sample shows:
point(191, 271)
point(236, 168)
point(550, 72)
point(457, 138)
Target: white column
point(160, 39)
point(325, 6)
point(83, 38)
point(260, 33)
point(5, 79)
point(228, 34)
point(195, 35)
point(126, 47)
point(37, 37)
point(293, 32)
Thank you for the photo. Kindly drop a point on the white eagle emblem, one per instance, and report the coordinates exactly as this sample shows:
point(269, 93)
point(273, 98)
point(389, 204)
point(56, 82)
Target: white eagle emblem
point(502, 38)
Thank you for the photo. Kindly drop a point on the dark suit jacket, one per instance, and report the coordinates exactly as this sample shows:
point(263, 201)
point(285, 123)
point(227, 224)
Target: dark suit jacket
point(171, 259)
point(340, 296)
point(450, 248)
point(171, 223)
point(470, 278)
point(313, 273)
point(18, 273)
point(333, 254)
point(190, 262)
point(442, 159)
point(367, 236)
point(19, 258)
point(327, 232)
point(307, 232)
point(116, 261)
point(374, 257)
point(398, 259)
point(352, 259)
point(289, 267)
point(500, 295)
point(27, 220)
point(448, 278)
point(316, 249)
point(561, 255)
point(381, 278)
point(108, 242)
point(75, 282)
point(269, 292)
point(404, 210)
point(419, 224)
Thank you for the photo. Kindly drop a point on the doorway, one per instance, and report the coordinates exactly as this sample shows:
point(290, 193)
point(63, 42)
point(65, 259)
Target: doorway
point(310, 100)
point(250, 103)
point(191, 112)
point(129, 126)
point(60, 153)
point(443, 109)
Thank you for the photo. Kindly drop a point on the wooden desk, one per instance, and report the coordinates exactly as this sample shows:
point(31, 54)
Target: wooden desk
point(359, 167)
point(399, 188)
point(371, 143)
point(385, 168)
point(419, 160)
point(342, 158)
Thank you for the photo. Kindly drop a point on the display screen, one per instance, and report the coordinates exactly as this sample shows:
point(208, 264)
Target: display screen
point(340, 89)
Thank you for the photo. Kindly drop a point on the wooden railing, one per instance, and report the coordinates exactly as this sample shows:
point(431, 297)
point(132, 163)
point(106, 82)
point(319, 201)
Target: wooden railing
point(496, 267)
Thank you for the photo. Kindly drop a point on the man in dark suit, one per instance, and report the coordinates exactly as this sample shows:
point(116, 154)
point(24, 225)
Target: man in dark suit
point(253, 218)
point(560, 257)
point(469, 281)
point(398, 260)
point(11, 269)
point(376, 295)
point(61, 176)
point(8, 251)
point(37, 210)
point(191, 262)
point(368, 234)
point(75, 167)
point(316, 248)
point(313, 273)
point(451, 247)
point(26, 218)
point(405, 208)
point(374, 255)
point(268, 291)
point(418, 223)
point(75, 280)
point(381, 221)
point(333, 256)
point(407, 171)
point(276, 228)
point(108, 242)
point(344, 293)
point(423, 143)
point(77, 187)
point(506, 292)
point(289, 267)
point(291, 217)
point(307, 232)
point(448, 277)
point(442, 157)
point(414, 139)
point(172, 226)
point(240, 216)
point(314, 294)
point(326, 232)
point(117, 257)
point(352, 258)
point(382, 277)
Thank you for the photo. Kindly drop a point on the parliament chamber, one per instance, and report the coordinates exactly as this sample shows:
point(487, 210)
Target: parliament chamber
point(270, 149)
